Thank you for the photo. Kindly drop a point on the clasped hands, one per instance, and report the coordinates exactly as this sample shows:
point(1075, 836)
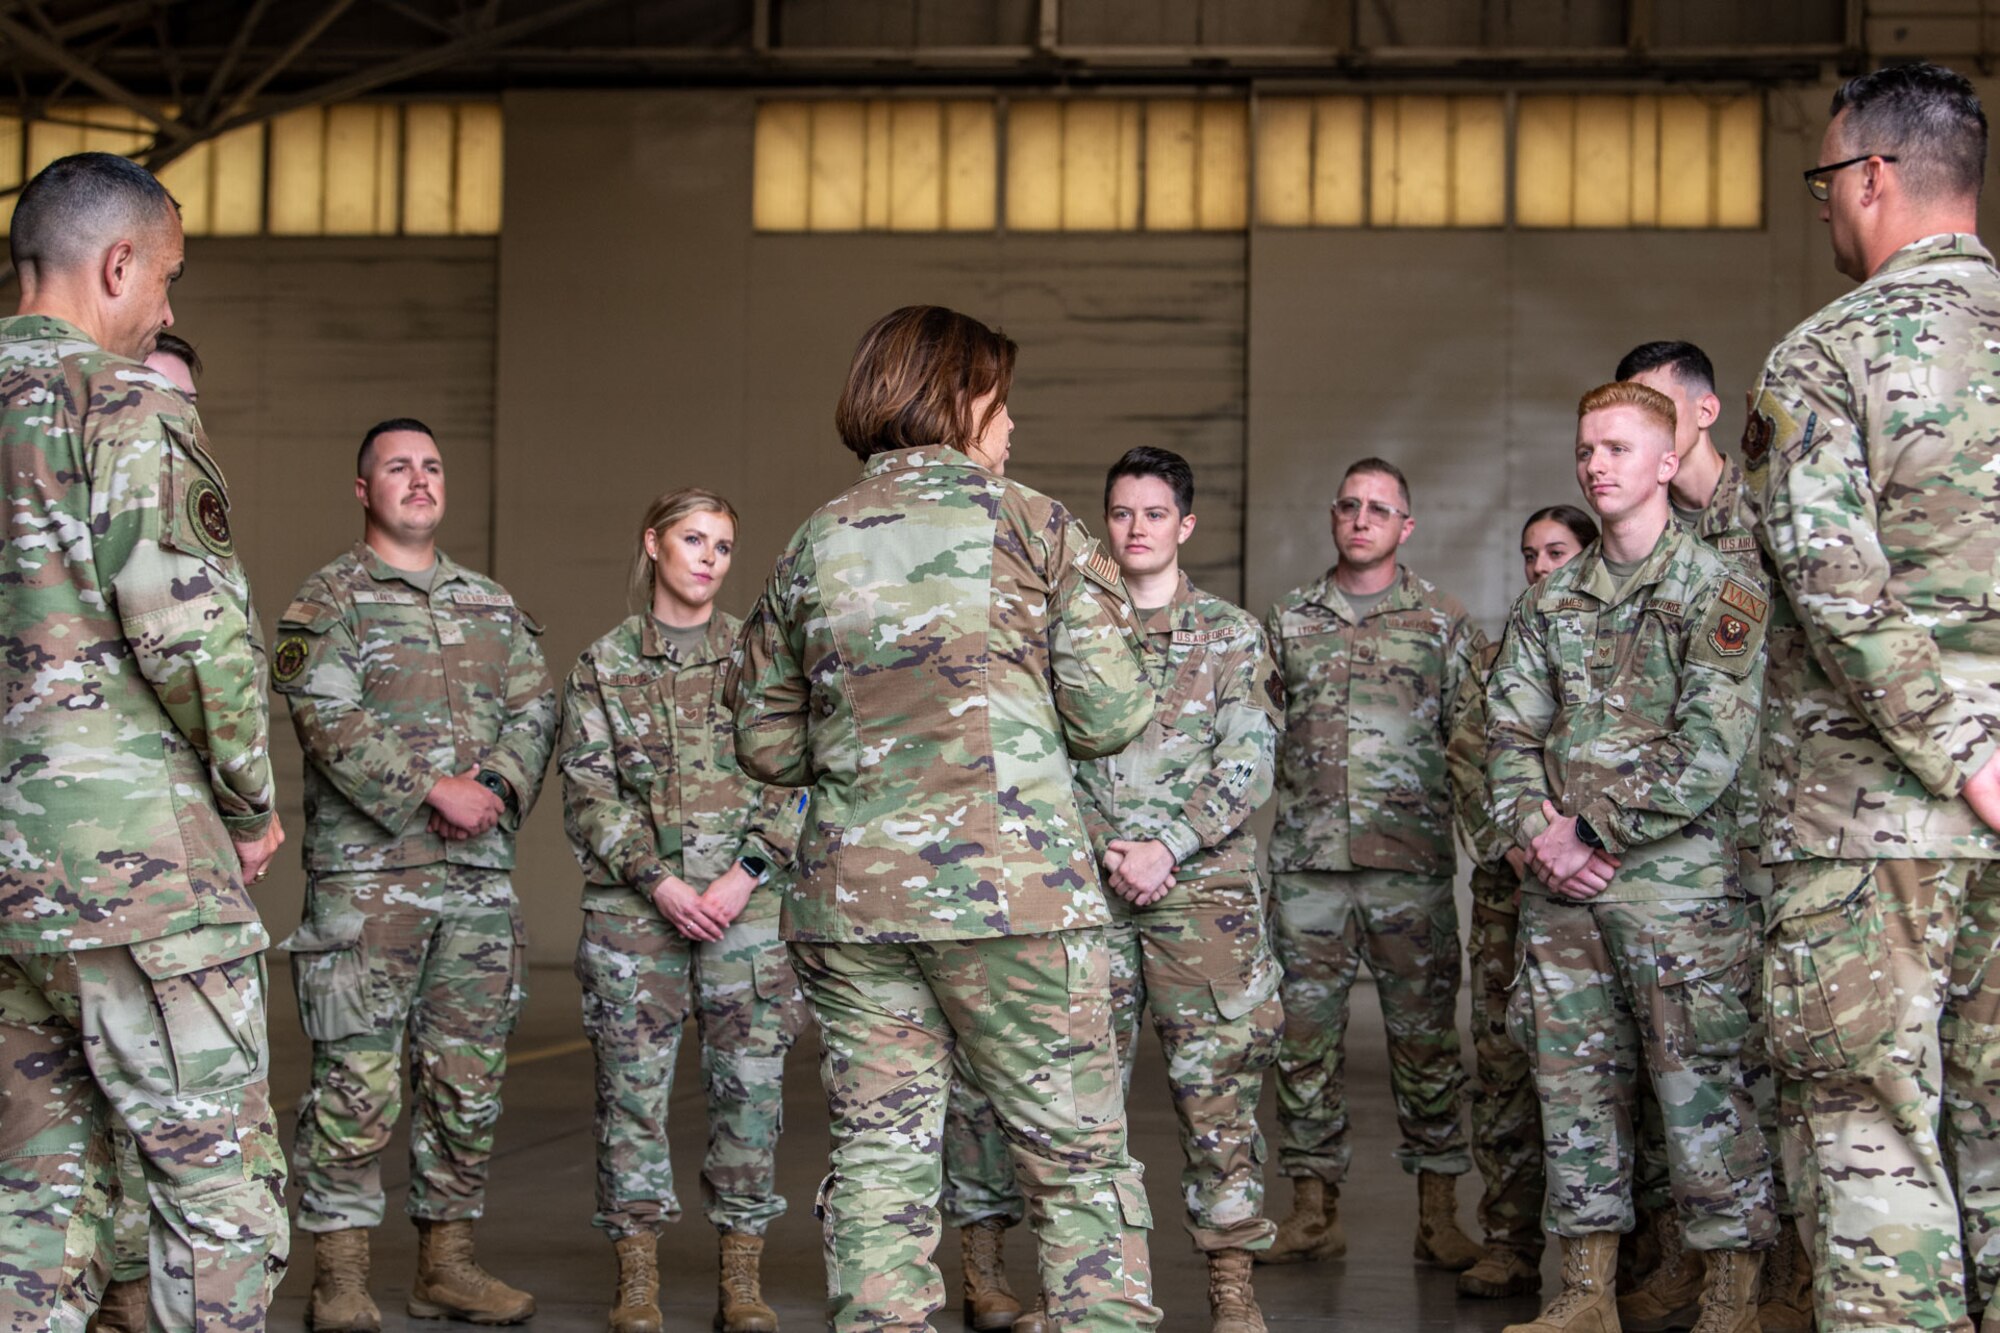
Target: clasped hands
point(1140, 872)
point(703, 914)
point(1560, 859)
point(463, 807)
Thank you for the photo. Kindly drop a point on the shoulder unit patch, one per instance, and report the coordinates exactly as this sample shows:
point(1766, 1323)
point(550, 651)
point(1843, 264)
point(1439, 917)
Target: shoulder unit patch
point(208, 515)
point(1747, 600)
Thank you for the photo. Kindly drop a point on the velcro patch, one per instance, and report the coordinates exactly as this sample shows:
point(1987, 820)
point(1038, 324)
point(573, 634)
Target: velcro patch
point(1735, 545)
point(386, 598)
point(1576, 604)
point(482, 599)
point(1757, 433)
point(288, 660)
point(1101, 568)
point(1200, 636)
point(1731, 635)
point(1666, 607)
point(208, 515)
point(1745, 600)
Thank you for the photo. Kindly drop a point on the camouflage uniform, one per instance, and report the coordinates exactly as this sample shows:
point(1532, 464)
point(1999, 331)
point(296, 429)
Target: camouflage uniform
point(1871, 452)
point(393, 687)
point(1362, 861)
point(1632, 708)
point(932, 646)
point(651, 788)
point(135, 746)
point(1506, 1123)
point(1198, 957)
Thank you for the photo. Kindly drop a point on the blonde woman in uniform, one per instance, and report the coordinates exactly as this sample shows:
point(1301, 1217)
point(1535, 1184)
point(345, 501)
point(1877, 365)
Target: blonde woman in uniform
point(678, 849)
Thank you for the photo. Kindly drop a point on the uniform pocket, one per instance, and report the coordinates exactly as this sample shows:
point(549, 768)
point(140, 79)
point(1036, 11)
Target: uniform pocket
point(1238, 996)
point(213, 1037)
point(1094, 1080)
point(1703, 1014)
point(1828, 1001)
point(331, 978)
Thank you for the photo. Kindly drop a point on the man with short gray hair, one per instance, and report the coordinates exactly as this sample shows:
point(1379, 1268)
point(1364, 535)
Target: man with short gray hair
point(1873, 461)
point(138, 804)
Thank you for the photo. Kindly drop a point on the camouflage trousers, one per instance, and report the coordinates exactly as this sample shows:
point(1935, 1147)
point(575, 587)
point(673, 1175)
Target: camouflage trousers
point(428, 952)
point(1884, 1002)
point(163, 1038)
point(1613, 994)
point(1032, 1014)
point(1506, 1121)
point(641, 980)
point(1325, 924)
point(1202, 965)
point(131, 1214)
point(1650, 1185)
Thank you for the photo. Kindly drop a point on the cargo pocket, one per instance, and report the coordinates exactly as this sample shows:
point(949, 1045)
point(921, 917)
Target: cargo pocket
point(1236, 998)
point(1829, 1007)
point(331, 978)
point(1703, 1014)
point(610, 981)
point(1137, 1214)
point(1096, 1089)
point(211, 1021)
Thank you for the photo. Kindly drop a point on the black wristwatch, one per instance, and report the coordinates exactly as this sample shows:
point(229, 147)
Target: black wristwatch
point(500, 787)
point(1587, 835)
point(759, 868)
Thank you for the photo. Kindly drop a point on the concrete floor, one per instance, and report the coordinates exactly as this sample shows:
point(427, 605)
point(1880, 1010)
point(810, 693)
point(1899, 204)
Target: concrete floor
point(537, 1233)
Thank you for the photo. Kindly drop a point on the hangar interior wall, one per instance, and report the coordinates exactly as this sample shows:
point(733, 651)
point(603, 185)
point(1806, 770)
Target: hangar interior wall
point(629, 332)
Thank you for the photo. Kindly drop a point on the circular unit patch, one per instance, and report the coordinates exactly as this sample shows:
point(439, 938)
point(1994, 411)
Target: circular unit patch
point(289, 662)
point(210, 516)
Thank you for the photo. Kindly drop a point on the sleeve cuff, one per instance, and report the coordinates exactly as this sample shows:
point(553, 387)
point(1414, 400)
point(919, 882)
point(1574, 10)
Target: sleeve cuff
point(755, 845)
point(247, 828)
point(1180, 839)
point(1950, 774)
point(1533, 825)
point(1603, 817)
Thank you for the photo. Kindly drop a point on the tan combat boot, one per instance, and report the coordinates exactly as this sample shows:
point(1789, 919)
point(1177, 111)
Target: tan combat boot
point(1788, 1298)
point(1313, 1230)
point(1439, 1241)
point(1232, 1305)
point(1034, 1320)
point(1500, 1272)
point(1585, 1304)
point(339, 1301)
point(1671, 1297)
point(989, 1301)
point(1639, 1248)
point(123, 1309)
point(1729, 1296)
point(740, 1304)
point(450, 1285)
point(638, 1301)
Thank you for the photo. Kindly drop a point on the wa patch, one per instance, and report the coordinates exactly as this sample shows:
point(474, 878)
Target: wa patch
point(288, 661)
point(1731, 636)
point(208, 515)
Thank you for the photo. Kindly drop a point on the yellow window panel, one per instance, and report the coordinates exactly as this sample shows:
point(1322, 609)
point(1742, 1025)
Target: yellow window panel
point(1478, 162)
point(1646, 160)
point(1284, 161)
point(479, 158)
point(236, 189)
point(298, 173)
point(875, 169)
point(1687, 163)
point(388, 171)
point(430, 133)
point(1223, 183)
point(971, 190)
point(1545, 160)
point(114, 129)
point(352, 150)
point(189, 178)
point(916, 166)
point(1100, 166)
point(1410, 162)
point(1604, 166)
point(1035, 165)
point(782, 166)
point(49, 140)
point(838, 166)
point(1172, 166)
point(1739, 162)
point(13, 144)
point(1340, 173)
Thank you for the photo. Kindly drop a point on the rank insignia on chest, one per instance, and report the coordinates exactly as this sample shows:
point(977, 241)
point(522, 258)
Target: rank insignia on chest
point(289, 661)
point(1731, 636)
point(209, 514)
point(1744, 600)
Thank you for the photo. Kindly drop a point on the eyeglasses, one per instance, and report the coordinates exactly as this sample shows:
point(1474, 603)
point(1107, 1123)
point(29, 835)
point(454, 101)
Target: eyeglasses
point(1819, 180)
point(1350, 509)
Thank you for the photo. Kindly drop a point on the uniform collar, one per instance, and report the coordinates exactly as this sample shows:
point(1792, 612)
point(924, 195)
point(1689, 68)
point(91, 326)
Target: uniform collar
point(717, 644)
point(930, 455)
point(1178, 613)
point(1594, 577)
point(1399, 596)
point(1930, 249)
point(38, 328)
point(383, 572)
point(1719, 514)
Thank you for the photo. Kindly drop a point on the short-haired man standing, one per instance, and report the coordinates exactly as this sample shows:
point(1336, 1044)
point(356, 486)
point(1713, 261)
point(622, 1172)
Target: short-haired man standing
point(1623, 702)
point(138, 805)
point(1873, 451)
point(427, 716)
point(1372, 657)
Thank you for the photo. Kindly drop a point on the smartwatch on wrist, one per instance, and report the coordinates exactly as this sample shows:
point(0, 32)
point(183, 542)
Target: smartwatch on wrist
point(759, 868)
point(499, 786)
point(1587, 835)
